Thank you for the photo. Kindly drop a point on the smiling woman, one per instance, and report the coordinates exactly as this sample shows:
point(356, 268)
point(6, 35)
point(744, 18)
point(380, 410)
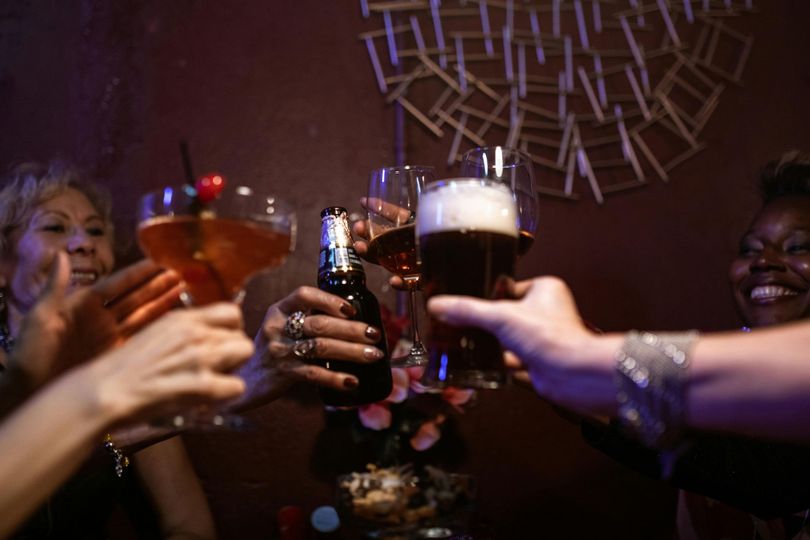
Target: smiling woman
point(758, 488)
point(771, 274)
point(44, 210)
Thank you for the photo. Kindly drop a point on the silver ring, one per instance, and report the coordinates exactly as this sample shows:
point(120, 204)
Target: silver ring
point(294, 327)
point(304, 348)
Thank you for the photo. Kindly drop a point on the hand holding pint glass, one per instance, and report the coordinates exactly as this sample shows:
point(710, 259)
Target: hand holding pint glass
point(468, 237)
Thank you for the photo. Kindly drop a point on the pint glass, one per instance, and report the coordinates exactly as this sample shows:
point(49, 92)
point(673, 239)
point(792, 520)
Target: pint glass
point(467, 234)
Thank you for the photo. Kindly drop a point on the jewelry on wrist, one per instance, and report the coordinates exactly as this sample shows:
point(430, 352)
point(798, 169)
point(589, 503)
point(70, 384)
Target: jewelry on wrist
point(651, 378)
point(120, 459)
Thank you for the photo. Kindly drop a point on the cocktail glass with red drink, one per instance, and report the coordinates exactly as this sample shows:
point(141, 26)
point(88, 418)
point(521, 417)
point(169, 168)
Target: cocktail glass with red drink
point(216, 242)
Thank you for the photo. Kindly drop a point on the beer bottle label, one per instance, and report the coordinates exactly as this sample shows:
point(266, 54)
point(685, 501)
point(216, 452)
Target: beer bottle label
point(337, 251)
point(339, 258)
point(335, 231)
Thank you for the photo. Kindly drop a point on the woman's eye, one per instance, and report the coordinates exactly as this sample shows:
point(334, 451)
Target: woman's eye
point(96, 231)
point(748, 251)
point(798, 249)
point(54, 228)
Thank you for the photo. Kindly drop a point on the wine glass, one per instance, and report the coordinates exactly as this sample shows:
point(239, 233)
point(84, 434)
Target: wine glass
point(215, 247)
point(393, 197)
point(517, 168)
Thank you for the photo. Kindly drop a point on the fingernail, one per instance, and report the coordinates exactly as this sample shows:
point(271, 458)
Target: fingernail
point(350, 382)
point(372, 353)
point(372, 333)
point(348, 309)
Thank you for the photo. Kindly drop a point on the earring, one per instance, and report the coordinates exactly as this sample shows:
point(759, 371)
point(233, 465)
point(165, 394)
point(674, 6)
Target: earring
point(6, 343)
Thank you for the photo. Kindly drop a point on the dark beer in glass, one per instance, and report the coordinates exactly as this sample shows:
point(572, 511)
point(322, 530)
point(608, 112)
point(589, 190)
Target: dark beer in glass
point(468, 237)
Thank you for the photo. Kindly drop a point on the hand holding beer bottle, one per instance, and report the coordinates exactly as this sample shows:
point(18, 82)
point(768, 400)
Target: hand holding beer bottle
point(393, 197)
point(341, 273)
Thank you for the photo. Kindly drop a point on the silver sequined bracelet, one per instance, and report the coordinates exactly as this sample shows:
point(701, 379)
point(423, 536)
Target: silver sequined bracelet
point(651, 378)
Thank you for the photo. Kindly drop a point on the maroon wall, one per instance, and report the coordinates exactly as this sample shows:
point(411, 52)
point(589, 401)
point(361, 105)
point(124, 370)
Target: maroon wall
point(281, 93)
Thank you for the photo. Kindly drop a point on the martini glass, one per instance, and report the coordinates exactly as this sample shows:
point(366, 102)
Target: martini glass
point(516, 169)
point(215, 247)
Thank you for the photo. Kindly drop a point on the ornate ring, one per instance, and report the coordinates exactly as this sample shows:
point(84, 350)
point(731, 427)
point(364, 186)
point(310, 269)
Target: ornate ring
point(294, 327)
point(304, 348)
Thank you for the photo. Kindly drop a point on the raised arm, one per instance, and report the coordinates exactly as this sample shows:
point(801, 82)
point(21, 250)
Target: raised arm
point(172, 364)
point(63, 330)
point(753, 384)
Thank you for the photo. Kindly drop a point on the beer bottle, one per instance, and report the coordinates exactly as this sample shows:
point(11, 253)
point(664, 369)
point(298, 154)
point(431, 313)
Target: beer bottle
point(340, 272)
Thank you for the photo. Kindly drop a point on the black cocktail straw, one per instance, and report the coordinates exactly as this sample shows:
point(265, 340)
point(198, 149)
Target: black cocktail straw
point(186, 157)
point(195, 205)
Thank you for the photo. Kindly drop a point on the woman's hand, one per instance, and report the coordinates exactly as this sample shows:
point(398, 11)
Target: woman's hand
point(387, 211)
point(326, 333)
point(174, 363)
point(63, 330)
point(566, 363)
point(168, 366)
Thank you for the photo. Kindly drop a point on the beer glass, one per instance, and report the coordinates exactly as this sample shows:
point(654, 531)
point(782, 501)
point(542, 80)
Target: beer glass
point(515, 168)
point(467, 235)
point(215, 247)
point(393, 196)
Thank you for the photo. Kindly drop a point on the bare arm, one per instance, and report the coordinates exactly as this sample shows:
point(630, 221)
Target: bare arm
point(64, 330)
point(754, 384)
point(172, 364)
point(43, 442)
point(169, 478)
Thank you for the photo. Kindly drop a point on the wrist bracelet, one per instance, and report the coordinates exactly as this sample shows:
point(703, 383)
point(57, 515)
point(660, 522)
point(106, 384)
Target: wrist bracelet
point(120, 459)
point(651, 377)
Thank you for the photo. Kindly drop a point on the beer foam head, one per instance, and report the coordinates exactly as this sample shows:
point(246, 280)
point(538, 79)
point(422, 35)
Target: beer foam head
point(467, 204)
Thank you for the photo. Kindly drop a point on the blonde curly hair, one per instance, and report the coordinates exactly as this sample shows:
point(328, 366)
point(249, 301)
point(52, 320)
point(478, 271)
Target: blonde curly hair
point(30, 184)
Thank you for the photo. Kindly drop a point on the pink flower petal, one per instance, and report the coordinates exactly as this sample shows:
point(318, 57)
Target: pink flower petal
point(375, 416)
point(426, 436)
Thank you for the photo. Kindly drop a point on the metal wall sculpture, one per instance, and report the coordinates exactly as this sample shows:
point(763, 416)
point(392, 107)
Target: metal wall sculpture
point(604, 94)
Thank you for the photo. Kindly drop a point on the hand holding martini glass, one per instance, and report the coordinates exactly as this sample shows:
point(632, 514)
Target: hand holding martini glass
point(216, 237)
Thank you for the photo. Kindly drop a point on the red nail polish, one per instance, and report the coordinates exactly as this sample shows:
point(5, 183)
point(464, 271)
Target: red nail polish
point(350, 382)
point(348, 309)
point(372, 333)
point(371, 353)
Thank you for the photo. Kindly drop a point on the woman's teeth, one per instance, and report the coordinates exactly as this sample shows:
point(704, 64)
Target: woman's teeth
point(764, 292)
point(83, 277)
